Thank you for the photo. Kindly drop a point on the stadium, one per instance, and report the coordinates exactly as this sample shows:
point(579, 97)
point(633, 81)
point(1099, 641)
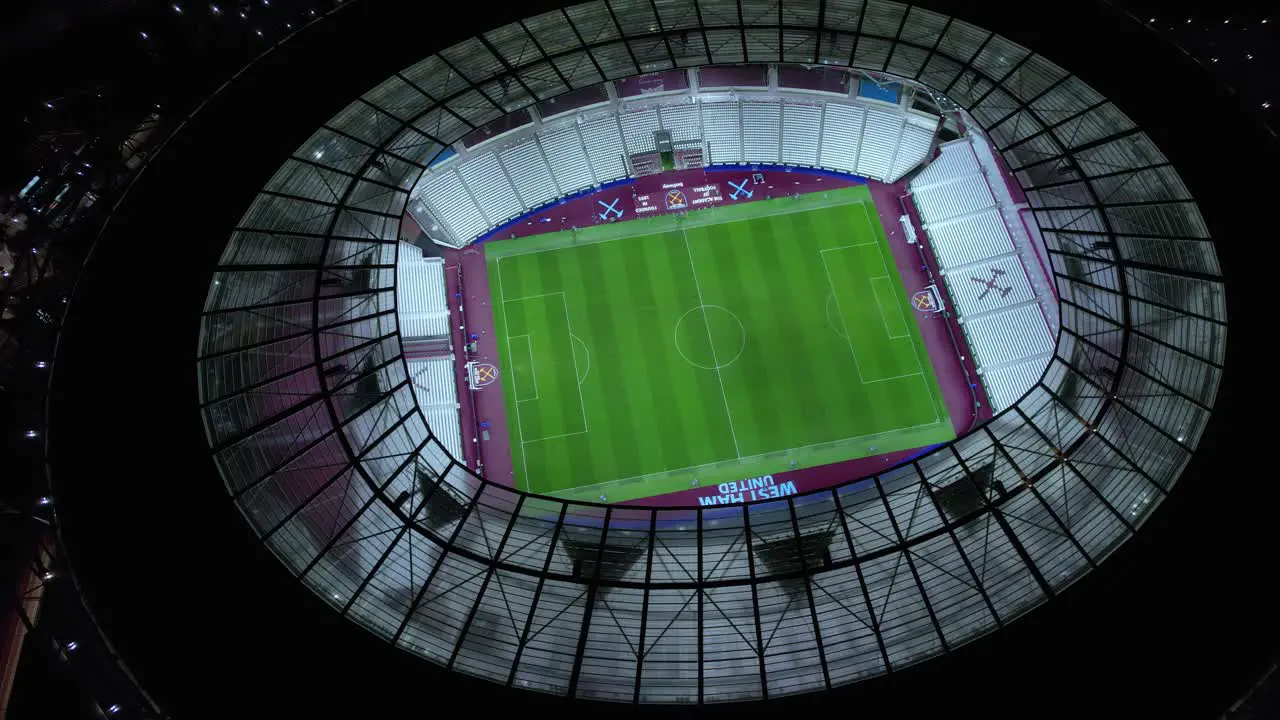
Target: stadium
point(677, 352)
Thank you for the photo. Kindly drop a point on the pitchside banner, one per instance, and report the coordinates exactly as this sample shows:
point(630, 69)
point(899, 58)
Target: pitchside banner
point(757, 488)
point(675, 196)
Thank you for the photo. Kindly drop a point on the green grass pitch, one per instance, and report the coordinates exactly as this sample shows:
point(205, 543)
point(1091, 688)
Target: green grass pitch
point(659, 354)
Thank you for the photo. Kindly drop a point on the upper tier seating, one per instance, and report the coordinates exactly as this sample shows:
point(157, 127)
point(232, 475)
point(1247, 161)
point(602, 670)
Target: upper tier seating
point(529, 173)
point(801, 124)
point(563, 149)
point(542, 161)
point(722, 132)
point(761, 132)
point(489, 185)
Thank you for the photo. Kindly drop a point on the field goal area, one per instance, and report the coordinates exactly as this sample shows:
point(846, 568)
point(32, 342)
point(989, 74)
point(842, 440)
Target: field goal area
point(680, 351)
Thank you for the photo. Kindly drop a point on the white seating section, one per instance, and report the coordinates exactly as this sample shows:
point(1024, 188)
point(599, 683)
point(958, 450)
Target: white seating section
point(544, 161)
point(880, 136)
point(422, 309)
point(605, 151)
point(1005, 385)
point(1009, 337)
point(682, 122)
point(722, 132)
point(453, 204)
point(529, 173)
point(985, 277)
point(490, 187)
point(567, 159)
point(946, 201)
point(422, 306)
point(638, 127)
point(917, 139)
point(988, 285)
point(969, 239)
point(436, 390)
point(801, 125)
point(841, 135)
point(761, 132)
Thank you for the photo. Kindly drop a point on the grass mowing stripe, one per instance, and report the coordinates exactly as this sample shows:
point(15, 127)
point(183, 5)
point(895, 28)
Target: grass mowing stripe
point(652, 411)
point(621, 264)
point(768, 381)
point(701, 413)
point(593, 453)
point(711, 341)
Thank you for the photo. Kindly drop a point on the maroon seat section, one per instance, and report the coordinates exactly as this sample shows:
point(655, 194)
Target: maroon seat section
point(665, 81)
point(497, 127)
point(572, 100)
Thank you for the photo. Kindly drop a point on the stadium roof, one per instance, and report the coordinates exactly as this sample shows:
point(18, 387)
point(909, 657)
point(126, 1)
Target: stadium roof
point(628, 604)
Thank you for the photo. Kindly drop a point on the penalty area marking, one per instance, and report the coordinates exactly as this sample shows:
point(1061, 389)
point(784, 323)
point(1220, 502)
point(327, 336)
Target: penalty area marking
point(528, 343)
point(586, 352)
point(524, 456)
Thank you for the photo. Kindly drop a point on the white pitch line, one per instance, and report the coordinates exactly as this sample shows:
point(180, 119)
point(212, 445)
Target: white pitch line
point(687, 224)
point(578, 383)
point(914, 350)
point(554, 437)
point(895, 377)
point(528, 344)
point(711, 341)
point(532, 297)
point(748, 458)
point(519, 426)
point(843, 323)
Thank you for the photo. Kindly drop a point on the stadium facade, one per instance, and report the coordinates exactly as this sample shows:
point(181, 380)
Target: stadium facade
point(343, 479)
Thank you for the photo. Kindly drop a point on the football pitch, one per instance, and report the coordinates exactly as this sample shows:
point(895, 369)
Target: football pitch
point(654, 355)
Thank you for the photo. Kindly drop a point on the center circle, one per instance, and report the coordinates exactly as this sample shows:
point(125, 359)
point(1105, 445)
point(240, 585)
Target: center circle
point(710, 337)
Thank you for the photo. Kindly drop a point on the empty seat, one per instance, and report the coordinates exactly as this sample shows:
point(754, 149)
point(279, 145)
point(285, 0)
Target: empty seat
point(954, 160)
point(1006, 385)
point(435, 387)
point(444, 192)
point(970, 238)
point(801, 125)
point(489, 185)
point(567, 159)
point(1008, 336)
point(841, 133)
point(682, 122)
point(917, 138)
point(529, 174)
point(880, 136)
point(944, 201)
point(422, 306)
point(988, 285)
point(605, 150)
point(722, 132)
point(761, 125)
point(638, 127)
